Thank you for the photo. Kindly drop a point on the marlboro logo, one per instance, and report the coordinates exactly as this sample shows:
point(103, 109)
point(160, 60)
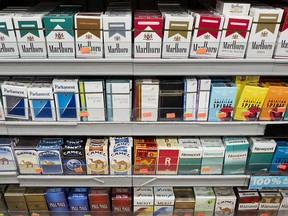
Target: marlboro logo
point(59, 36)
point(28, 27)
point(148, 37)
point(2, 38)
point(85, 26)
point(30, 38)
point(88, 37)
point(116, 28)
point(3, 28)
point(180, 28)
point(177, 39)
point(264, 34)
point(267, 21)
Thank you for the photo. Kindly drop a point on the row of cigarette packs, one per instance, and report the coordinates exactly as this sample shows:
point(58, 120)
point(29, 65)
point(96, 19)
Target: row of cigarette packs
point(144, 201)
point(171, 32)
point(168, 99)
point(64, 201)
point(162, 155)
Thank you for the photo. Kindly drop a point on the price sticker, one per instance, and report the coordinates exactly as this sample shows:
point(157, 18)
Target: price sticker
point(83, 114)
point(170, 115)
point(202, 115)
point(201, 50)
point(39, 170)
point(206, 169)
point(78, 170)
point(222, 115)
point(85, 50)
point(188, 115)
point(259, 182)
point(147, 114)
point(35, 214)
point(281, 109)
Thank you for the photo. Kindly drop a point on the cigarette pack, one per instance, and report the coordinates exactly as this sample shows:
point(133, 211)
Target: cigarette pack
point(164, 201)
point(49, 153)
point(284, 204)
point(204, 201)
point(235, 155)
point(235, 36)
point(232, 7)
point(177, 34)
point(190, 156)
point(213, 155)
point(184, 198)
point(276, 101)
point(171, 100)
point(14, 197)
point(117, 34)
point(96, 151)
point(248, 201)
point(280, 158)
point(120, 154)
point(225, 201)
point(66, 94)
point(206, 35)
point(41, 101)
point(59, 34)
point(92, 100)
point(143, 201)
point(264, 31)
point(26, 155)
point(30, 35)
point(270, 201)
point(15, 100)
point(36, 201)
point(8, 46)
point(7, 159)
point(250, 102)
point(89, 35)
point(122, 202)
point(168, 155)
point(73, 156)
point(260, 154)
point(203, 98)
point(145, 155)
point(146, 99)
point(222, 101)
point(99, 201)
point(281, 50)
point(119, 99)
point(148, 34)
point(190, 98)
point(57, 200)
point(78, 203)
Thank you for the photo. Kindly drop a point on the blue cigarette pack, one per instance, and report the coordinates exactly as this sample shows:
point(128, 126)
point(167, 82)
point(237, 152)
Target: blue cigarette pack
point(222, 100)
point(73, 155)
point(78, 203)
point(57, 201)
point(67, 99)
point(49, 155)
point(280, 158)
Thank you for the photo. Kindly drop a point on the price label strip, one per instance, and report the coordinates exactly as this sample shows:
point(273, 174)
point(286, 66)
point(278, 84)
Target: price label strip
point(259, 182)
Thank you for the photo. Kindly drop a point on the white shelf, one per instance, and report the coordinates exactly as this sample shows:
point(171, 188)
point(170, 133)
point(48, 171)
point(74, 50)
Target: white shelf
point(17, 128)
point(143, 67)
point(214, 67)
point(65, 67)
point(8, 178)
point(197, 180)
point(74, 181)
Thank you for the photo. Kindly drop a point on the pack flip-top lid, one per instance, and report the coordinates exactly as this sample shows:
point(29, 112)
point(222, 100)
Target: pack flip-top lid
point(148, 22)
point(208, 20)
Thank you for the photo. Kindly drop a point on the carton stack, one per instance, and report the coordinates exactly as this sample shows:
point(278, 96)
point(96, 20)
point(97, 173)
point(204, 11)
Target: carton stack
point(164, 201)
point(143, 201)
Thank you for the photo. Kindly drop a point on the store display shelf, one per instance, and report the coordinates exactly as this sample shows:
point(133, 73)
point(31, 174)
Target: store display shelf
point(185, 180)
point(8, 178)
point(136, 128)
point(65, 67)
point(143, 67)
point(74, 181)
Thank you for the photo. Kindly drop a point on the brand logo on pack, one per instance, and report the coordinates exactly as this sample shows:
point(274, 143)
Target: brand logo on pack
point(264, 34)
point(267, 21)
point(30, 38)
point(148, 37)
point(88, 37)
point(2, 38)
point(59, 36)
